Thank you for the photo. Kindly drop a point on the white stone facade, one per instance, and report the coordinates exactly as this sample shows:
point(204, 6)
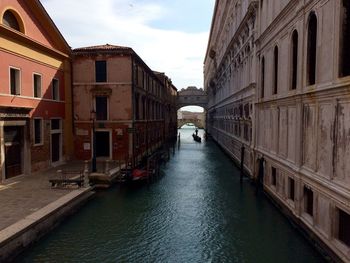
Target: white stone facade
point(230, 77)
point(288, 61)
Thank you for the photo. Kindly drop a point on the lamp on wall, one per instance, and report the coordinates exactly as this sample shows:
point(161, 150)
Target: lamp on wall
point(93, 162)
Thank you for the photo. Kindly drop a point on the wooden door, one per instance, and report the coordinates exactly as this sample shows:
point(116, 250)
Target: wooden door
point(102, 144)
point(55, 147)
point(13, 137)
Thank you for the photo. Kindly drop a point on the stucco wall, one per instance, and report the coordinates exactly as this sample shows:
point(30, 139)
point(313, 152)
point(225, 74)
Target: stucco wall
point(36, 24)
point(35, 51)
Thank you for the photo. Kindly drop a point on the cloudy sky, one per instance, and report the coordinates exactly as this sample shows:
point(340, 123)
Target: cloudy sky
point(170, 35)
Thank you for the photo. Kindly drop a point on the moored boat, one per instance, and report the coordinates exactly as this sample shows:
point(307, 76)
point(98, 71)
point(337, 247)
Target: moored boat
point(139, 175)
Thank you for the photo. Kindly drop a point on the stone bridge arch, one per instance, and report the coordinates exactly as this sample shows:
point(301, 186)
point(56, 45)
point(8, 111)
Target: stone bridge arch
point(192, 96)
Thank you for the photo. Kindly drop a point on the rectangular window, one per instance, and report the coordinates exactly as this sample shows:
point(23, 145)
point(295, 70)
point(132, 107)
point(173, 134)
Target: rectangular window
point(140, 77)
point(308, 201)
point(37, 85)
point(101, 71)
point(273, 176)
point(136, 74)
point(55, 89)
point(38, 131)
point(15, 81)
point(344, 227)
point(137, 107)
point(143, 108)
point(101, 108)
point(291, 188)
point(55, 124)
point(245, 132)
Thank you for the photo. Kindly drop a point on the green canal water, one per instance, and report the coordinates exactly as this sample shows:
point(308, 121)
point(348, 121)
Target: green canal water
point(197, 212)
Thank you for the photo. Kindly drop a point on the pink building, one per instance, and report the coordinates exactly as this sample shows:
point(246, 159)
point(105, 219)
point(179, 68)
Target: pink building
point(35, 122)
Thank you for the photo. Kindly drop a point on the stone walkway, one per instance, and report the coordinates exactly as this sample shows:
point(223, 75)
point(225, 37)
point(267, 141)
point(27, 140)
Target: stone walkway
point(22, 196)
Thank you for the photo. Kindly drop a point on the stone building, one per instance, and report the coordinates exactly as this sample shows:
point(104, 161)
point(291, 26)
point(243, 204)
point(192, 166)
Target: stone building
point(127, 102)
point(300, 104)
point(170, 110)
point(189, 117)
point(230, 78)
point(35, 102)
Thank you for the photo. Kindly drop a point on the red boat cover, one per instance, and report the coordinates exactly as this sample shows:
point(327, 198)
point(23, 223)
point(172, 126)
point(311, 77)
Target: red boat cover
point(138, 174)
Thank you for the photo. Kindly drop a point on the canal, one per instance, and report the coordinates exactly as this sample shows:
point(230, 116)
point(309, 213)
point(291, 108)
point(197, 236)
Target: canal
point(197, 212)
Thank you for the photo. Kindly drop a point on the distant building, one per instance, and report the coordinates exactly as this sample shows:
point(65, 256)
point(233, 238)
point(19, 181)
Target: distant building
point(282, 68)
point(169, 100)
point(35, 101)
point(196, 118)
point(130, 105)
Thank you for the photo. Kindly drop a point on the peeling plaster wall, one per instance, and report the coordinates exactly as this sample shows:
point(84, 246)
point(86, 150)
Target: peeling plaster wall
point(305, 133)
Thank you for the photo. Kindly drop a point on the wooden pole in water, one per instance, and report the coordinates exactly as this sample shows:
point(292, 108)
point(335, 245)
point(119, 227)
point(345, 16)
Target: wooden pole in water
point(242, 162)
point(260, 179)
point(148, 173)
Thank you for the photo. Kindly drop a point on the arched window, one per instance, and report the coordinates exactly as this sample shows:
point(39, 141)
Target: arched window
point(344, 69)
point(262, 77)
point(311, 49)
point(275, 71)
point(294, 59)
point(11, 19)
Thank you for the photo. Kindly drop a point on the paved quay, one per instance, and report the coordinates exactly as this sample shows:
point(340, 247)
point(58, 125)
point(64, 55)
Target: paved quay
point(25, 195)
point(31, 205)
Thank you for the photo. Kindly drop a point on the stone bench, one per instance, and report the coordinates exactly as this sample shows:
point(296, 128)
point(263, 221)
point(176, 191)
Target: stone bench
point(68, 177)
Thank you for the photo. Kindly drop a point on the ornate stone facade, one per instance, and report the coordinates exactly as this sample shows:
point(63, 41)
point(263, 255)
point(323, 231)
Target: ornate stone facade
point(288, 61)
point(230, 79)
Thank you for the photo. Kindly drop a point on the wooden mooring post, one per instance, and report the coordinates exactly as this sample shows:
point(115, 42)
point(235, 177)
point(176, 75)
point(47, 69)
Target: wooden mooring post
point(242, 162)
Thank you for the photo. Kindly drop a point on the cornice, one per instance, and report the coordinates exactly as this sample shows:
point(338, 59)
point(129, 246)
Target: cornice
point(212, 28)
point(51, 23)
point(280, 17)
point(15, 35)
point(252, 8)
point(246, 89)
point(327, 92)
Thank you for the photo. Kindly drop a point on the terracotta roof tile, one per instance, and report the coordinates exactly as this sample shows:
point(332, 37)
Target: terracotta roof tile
point(106, 47)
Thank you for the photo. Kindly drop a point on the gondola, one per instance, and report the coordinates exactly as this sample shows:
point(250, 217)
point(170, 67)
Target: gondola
point(196, 138)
